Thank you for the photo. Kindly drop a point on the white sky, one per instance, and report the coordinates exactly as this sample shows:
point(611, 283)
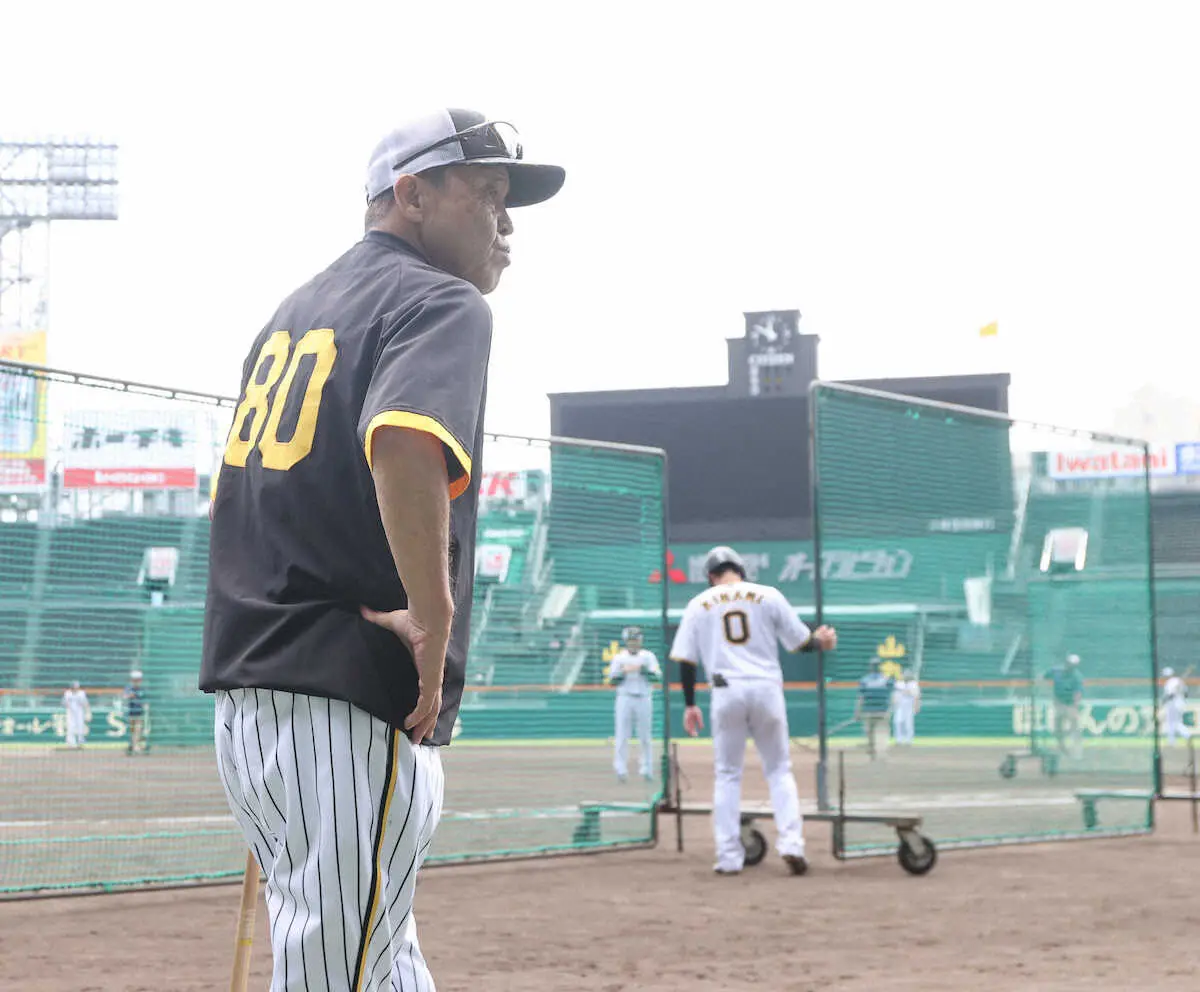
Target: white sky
point(902, 173)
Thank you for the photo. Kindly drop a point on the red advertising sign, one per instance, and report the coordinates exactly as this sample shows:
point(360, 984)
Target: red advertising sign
point(1111, 463)
point(129, 478)
point(503, 485)
point(20, 474)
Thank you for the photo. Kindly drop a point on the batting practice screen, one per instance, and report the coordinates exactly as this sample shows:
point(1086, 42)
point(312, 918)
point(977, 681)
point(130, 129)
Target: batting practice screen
point(104, 550)
point(1017, 659)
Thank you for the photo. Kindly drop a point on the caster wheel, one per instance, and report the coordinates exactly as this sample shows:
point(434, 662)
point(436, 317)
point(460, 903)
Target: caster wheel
point(917, 862)
point(1008, 767)
point(1050, 765)
point(756, 846)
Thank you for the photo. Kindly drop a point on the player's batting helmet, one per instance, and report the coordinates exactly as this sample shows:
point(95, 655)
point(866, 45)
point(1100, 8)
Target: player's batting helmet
point(722, 557)
point(631, 633)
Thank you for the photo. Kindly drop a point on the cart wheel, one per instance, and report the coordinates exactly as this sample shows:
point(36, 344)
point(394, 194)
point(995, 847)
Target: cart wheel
point(918, 863)
point(756, 846)
point(1050, 764)
point(1008, 767)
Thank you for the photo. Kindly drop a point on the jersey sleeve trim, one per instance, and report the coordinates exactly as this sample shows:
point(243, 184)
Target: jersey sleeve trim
point(427, 425)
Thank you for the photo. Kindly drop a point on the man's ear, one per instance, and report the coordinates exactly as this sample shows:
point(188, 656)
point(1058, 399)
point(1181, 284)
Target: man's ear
point(410, 195)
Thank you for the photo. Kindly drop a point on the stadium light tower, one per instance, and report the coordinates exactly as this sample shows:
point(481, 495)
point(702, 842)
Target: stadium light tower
point(42, 182)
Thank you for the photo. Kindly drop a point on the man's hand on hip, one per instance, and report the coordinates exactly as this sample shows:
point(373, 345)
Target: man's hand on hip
point(427, 642)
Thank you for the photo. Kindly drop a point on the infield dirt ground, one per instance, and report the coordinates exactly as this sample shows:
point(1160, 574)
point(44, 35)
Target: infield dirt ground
point(1101, 914)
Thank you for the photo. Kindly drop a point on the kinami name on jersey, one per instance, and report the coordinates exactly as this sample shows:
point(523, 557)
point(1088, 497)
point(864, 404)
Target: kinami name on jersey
point(744, 595)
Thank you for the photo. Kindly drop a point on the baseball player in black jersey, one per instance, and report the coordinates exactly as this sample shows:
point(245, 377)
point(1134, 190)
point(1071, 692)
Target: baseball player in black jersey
point(342, 552)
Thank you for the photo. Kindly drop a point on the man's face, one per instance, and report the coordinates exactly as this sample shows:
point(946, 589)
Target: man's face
point(634, 644)
point(465, 226)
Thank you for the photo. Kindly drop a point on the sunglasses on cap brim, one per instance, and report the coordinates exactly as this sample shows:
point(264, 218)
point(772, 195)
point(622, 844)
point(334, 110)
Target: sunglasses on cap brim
point(489, 140)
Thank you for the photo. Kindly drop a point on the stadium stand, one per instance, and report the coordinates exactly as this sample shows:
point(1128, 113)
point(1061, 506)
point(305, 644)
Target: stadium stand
point(1177, 530)
point(526, 628)
point(70, 601)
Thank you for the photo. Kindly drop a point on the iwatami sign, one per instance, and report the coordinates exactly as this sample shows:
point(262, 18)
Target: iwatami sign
point(123, 450)
point(1111, 463)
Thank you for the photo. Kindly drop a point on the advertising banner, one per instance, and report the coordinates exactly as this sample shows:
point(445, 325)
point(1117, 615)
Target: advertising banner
point(119, 449)
point(22, 415)
point(1111, 463)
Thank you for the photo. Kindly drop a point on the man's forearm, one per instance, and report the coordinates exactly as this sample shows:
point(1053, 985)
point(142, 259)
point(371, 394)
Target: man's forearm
point(411, 486)
point(687, 680)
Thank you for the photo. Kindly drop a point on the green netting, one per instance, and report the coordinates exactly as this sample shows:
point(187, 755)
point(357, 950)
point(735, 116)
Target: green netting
point(1003, 604)
point(83, 597)
point(568, 526)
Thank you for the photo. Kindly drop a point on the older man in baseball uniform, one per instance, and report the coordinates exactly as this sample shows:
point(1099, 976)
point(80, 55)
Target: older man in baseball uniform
point(341, 567)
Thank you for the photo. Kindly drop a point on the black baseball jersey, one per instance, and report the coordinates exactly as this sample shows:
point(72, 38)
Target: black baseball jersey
point(381, 337)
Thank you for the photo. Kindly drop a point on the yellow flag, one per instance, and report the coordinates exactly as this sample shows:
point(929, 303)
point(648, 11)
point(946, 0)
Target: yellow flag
point(991, 330)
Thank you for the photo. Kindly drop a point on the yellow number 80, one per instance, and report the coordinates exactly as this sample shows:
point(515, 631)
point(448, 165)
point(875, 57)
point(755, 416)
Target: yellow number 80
point(264, 415)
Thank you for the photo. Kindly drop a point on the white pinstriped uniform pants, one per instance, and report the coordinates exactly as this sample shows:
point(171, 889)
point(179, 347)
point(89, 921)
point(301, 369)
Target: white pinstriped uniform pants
point(339, 809)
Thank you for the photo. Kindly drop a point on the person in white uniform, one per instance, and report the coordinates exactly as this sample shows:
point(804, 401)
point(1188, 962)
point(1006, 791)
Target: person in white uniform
point(906, 703)
point(734, 630)
point(634, 671)
point(1174, 697)
point(79, 713)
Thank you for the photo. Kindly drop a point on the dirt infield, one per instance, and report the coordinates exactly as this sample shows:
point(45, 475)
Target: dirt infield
point(1111, 914)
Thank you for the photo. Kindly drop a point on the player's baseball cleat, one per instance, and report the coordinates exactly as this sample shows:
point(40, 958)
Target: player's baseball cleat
point(796, 864)
point(718, 870)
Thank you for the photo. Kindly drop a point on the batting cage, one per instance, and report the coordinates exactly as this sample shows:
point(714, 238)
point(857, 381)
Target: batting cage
point(569, 533)
point(104, 538)
point(1005, 689)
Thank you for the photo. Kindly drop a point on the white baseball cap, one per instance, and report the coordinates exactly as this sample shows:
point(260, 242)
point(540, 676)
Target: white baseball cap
point(135, 674)
point(1168, 672)
point(451, 136)
point(1072, 659)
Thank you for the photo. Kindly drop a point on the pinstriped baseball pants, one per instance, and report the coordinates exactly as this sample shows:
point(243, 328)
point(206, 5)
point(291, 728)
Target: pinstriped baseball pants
point(339, 809)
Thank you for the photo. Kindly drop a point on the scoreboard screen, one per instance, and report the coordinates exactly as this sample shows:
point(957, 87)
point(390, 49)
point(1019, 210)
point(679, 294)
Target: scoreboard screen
point(737, 466)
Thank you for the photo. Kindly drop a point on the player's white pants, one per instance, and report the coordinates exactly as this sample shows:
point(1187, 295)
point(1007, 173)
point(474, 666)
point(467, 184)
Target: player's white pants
point(634, 716)
point(1173, 720)
point(339, 809)
point(903, 724)
point(752, 708)
point(76, 728)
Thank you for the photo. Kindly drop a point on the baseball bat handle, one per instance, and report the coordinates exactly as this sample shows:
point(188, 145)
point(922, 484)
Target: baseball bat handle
point(245, 928)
